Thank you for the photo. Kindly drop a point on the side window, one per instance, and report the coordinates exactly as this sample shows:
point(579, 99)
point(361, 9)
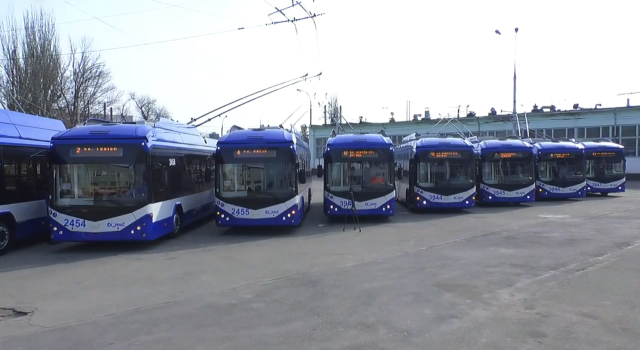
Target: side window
point(159, 176)
point(19, 180)
point(209, 173)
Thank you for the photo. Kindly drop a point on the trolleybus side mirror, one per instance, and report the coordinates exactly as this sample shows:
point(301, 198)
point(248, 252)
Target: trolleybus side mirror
point(319, 170)
point(302, 177)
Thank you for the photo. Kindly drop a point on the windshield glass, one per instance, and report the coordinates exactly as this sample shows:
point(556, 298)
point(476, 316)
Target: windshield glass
point(445, 173)
point(256, 173)
point(603, 167)
point(361, 175)
point(561, 169)
point(269, 179)
point(507, 171)
point(110, 176)
point(100, 185)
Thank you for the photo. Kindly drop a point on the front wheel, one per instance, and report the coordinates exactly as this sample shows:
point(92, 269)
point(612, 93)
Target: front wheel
point(604, 194)
point(177, 225)
point(6, 239)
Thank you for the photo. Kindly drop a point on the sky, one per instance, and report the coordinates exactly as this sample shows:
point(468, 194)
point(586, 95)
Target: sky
point(373, 55)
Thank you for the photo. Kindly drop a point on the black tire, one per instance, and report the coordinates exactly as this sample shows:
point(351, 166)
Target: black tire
point(177, 225)
point(604, 194)
point(6, 238)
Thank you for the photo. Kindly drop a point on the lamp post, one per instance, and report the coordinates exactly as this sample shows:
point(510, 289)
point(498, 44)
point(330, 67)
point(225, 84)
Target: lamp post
point(515, 42)
point(222, 126)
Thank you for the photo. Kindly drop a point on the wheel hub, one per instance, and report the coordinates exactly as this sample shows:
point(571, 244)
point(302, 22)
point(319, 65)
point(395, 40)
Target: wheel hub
point(4, 237)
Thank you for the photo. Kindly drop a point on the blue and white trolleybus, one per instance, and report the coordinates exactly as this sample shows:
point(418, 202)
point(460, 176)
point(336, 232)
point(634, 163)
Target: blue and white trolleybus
point(435, 172)
point(263, 178)
point(359, 173)
point(24, 175)
point(505, 171)
point(559, 169)
point(605, 167)
point(129, 181)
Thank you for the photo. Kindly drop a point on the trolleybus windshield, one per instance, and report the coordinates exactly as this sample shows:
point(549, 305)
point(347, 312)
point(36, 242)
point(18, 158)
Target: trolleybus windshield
point(561, 166)
point(508, 168)
point(257, 173)
point(99, 176)
point(360, 170)
point(604, 164)
point(445, 169)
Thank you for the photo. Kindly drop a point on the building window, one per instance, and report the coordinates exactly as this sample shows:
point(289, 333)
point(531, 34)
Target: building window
point(557, 133)
point(593, 133)
point(605, 131)
point(571, 133)
point(628, 131)
point(629, 147)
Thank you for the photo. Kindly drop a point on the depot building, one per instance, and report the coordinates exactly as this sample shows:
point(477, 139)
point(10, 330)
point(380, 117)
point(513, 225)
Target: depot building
point(619, 124)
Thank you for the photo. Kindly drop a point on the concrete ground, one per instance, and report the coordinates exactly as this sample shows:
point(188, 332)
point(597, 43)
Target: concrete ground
point(554, 275)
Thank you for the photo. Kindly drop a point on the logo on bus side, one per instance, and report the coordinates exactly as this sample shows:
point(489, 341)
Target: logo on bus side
point(272, 212)
point(118, 225)
point(371, 204)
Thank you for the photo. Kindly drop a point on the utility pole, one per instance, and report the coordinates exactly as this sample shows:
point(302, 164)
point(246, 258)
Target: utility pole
point(111, 113)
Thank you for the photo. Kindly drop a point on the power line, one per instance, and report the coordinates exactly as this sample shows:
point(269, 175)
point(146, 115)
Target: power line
point(255, 98)
point(242, 98)
point(183, 38)
point(121, 31)
point(193, 10)
point(114, 15)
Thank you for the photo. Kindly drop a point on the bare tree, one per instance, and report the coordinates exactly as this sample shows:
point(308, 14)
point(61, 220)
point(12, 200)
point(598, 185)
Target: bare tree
point(304, 131)
point(333, 109)
point(31, 65)
point(147, 107)
point(162, 112)
point(86, 87)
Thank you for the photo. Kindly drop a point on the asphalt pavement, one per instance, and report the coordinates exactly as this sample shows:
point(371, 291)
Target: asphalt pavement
point(552, 275)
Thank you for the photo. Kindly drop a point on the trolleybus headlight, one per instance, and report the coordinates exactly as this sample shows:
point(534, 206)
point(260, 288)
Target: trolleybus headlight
point(55, 228)
point(424, 202)
point(138, 228)
point(293, 212)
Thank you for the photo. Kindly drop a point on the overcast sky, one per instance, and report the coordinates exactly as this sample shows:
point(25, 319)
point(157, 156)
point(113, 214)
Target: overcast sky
point(372, 54)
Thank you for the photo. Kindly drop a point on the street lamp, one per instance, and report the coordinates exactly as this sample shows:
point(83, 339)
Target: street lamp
point(222, 126)
point(515, 41)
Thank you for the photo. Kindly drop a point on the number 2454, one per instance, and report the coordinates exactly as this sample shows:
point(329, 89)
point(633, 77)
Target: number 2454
point(74, 223)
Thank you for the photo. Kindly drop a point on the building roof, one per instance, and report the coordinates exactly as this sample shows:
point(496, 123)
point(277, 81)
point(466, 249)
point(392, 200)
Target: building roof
point(15, 125)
